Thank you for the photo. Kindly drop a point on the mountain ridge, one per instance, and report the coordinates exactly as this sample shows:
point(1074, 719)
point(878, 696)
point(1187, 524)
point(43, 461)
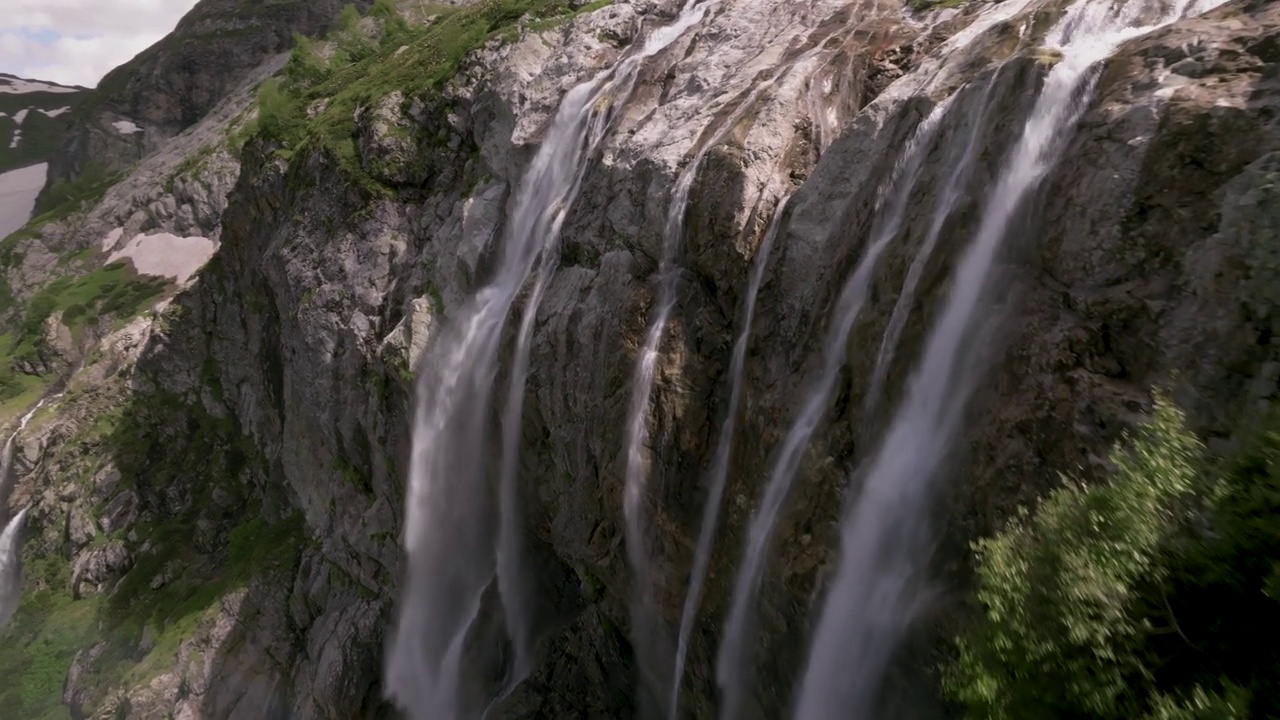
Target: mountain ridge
point(172, 84)
point(34, 117)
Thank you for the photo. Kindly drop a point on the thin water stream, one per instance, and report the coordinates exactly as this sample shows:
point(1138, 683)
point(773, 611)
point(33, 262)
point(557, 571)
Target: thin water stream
point(719, 474)
point(734, 659)
point(455, 551)
point(11, 536)
point(884, 537)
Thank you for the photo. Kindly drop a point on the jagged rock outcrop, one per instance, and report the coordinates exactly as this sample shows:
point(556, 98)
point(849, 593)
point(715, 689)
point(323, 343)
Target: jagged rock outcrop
point(281, 379)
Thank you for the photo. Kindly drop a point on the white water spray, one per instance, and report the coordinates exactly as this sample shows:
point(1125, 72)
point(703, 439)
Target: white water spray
point(733, 674)
point(7, 479)
point(869, 604)
point(453, 552)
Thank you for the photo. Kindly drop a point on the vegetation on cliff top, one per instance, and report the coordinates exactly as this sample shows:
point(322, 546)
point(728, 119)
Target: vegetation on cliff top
point(1156, 595)
point(314, 102)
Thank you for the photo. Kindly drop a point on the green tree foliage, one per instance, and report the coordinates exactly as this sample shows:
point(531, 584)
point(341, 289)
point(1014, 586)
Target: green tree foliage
point(278, 116)
point(305, 66)
point(1151, 596)
point(348, 19)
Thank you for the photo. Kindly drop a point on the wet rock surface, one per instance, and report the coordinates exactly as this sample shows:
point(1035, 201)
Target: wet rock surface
point(1146, 259)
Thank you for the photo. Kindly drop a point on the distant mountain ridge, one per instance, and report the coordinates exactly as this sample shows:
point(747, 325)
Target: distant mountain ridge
point(137, 107)
point(34, 117)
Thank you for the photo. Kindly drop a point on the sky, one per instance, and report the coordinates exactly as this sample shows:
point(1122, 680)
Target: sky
point(75, 42)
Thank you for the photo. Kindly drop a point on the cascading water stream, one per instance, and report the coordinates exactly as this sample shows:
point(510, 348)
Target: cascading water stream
point(644, 631)
point(720, 461)
point(7, 479)
point(952, 193)
point(733, 660)
point(11, 567)
point(453, 554)
point(11, 537)
point(869, 606)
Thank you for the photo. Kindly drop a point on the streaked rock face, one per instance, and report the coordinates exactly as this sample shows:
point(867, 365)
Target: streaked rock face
point(278, 384)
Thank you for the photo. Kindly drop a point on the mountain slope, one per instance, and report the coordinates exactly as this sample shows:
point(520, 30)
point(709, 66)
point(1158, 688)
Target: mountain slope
point(177, 81)
point(34, 117)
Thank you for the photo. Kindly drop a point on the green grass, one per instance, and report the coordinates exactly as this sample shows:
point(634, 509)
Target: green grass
point(63, 200)
point(157, 442)
point(17, 391)
point(361, 71)
point(68, 196)
point(37, 647)
point(112, 291)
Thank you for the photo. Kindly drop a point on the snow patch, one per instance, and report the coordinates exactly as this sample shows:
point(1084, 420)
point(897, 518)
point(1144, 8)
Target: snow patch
point(17, 136)
point(21, 115)
point(126, 127)
point(56, 112)
point(166, 255)
point(17, 86)
point(18, 191)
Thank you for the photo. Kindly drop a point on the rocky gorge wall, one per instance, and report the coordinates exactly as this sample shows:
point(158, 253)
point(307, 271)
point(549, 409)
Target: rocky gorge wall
point(238, 457)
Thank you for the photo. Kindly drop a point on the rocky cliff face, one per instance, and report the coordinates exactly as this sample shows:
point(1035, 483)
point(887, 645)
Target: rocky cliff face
point(217, 493)
point(34, 117)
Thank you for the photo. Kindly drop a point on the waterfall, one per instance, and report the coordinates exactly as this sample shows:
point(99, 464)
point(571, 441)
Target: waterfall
point(720, 461)
point(733, 661)
point(642, 389)
point(951, 194)
point(11, 567)
point(7, 479)
point(882, 544)
point(11, 537)
point(644, 631)
point(454, 553)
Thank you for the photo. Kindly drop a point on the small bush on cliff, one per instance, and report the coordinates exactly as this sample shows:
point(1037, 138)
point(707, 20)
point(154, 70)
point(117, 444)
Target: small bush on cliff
point(1144, 597)
point(278, 115)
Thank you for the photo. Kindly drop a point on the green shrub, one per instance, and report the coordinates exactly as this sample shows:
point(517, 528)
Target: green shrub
point(348, 19)
point(1200, 705)
point(1144, 597)
point(305, 66)
point(384, 10)
point(279, 113)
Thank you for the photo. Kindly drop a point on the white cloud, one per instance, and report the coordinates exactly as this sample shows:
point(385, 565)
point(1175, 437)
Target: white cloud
point(76, 42)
